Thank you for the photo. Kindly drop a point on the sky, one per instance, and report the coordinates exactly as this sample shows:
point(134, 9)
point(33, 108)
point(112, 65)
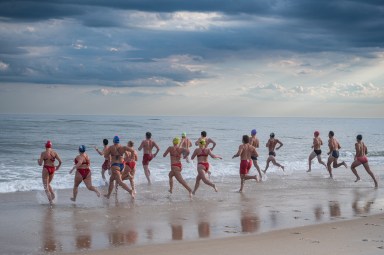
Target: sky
point(262, 58)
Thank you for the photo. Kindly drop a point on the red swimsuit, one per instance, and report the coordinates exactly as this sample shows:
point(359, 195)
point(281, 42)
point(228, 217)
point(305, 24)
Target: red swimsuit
point(50, 169)
point(204, 164)
point(84, 171)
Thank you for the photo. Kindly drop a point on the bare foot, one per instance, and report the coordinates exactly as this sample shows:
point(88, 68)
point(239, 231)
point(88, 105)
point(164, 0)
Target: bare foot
point(345, 164)
point(264, 171)
point(357, 179)
point(214, 187)
point(170, 191)
point(53, 196)
point(73, 199)
point(97, 193)
point(282, 168)
point(106, 196)
point(309, 170)
point(190, 195)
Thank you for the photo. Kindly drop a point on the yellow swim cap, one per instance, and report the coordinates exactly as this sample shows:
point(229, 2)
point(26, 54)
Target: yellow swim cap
point(203, 142)
point(176, 140)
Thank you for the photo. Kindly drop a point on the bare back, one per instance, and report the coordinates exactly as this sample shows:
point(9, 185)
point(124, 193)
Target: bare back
point(361, 149)
point(317, 142)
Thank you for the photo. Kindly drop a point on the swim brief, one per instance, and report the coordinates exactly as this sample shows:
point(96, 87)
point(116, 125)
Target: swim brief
point(50, 169)
point(335, 154)
point(178, 164)
point(131, 164)
point(245, 165)
point(120, 165)
point(105, 165)
point(272, 153)
point(318, 152)
point(253, 157)
point(205, 165)
point(84, 172)
point(146, 159)
point(362, 159)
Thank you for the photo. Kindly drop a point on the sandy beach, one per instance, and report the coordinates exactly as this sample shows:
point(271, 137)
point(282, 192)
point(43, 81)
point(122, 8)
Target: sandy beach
point(298, 214)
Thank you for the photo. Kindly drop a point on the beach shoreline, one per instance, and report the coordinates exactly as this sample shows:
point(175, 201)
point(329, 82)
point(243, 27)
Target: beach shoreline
point(281, 204)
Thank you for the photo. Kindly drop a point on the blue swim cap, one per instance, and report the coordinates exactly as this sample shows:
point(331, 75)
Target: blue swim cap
point(82, 148)
point(253, 132)
point(116, 139)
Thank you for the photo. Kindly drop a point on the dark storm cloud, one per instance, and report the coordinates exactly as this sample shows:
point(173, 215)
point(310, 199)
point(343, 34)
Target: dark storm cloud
point(99, 43)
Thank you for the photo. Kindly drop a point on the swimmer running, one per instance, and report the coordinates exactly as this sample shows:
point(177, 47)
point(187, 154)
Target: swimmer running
point(271, 144)
point(361, 159)
point(333, 153)
point(175, 153)
point(48, 157)
point(317, 142)
point(202, 154)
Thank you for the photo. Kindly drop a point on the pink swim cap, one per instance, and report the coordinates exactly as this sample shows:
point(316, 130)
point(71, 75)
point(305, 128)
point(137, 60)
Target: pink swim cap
point(317, 133)
point(48, 144)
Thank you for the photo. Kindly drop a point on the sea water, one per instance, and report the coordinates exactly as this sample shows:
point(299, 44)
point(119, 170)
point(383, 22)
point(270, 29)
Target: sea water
point(22, 139)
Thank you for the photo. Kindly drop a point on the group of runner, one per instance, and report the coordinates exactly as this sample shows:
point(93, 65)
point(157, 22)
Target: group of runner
point(120, 161)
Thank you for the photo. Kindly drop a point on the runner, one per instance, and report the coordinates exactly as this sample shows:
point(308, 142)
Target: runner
point(254, 141)
point(175, 153)
point(246, 151)
point(106, 164)
point(48, 157)
point(116, 152)
point(271, 144)
point(186, 144)
point(202, 154)
point(147, 145)
point(333, 153)
point(130, 166)
point(83, 173)
point(317, 142)
point(207, 140)
point(361, 159)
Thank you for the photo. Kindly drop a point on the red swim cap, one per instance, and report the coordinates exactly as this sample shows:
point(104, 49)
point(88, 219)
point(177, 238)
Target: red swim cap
point(48, 144)
point(317, 133)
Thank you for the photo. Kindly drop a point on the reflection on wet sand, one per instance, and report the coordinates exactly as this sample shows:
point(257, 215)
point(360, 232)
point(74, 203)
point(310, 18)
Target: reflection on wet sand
point(362, 207)
point(177, 232)
point(318, 213)
point(82, 228)
point(120, 236)
point(250, 222)
point(204, 229)
point(334, 209)
point(49, 242)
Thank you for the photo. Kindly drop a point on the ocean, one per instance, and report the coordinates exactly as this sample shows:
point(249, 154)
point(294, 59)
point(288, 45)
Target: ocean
point(22, 139)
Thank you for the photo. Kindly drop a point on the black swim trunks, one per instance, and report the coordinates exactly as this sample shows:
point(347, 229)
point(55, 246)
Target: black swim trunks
point(318, 152)
point(253, 157)
point(272, 153)
point(335, 154)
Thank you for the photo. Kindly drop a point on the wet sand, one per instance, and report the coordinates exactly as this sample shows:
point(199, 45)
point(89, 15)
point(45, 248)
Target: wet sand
point(337, 214)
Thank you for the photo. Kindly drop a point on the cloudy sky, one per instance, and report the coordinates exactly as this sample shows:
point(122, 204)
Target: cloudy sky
point(201, 57)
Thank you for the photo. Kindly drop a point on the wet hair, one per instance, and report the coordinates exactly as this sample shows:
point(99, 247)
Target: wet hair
point(130, 143)
point(148, 135)
point(331, 133)
point(203, 134)
point(245, 139)
point(272, 135)
point(105, 141)
point(359, 137)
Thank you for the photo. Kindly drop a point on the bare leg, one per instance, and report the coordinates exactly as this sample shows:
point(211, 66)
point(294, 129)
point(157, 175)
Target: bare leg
point(310, 158)
point(50, 178)
point(88, 184)
point(266, 167)
point(257, 168)
point(329, 163)
point(320, 161)
point(120, 182)
point(45, 178)
point(170, 175)
point(368, 169)
point(147, 173)
point(180, 179)
point(336, 165)
point(277, 164)
point(111, 184)
point(355, 164)
point(244, 178)
point(197, 184)
point(78, 180)
point(103, 176)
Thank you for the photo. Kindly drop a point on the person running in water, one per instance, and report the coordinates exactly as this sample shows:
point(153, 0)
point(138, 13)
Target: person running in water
point(202, 154)
point(246, 151)
point(116, 152)
point(130, 166)
point(361, 159)
point(83, 173)
point(185, 143)
point(254, 141)
point(175, 152)
point(333, 153)
point(317, 142)
point(48, 157)
point(147, 145)
point(106, 164)
point(271, 144)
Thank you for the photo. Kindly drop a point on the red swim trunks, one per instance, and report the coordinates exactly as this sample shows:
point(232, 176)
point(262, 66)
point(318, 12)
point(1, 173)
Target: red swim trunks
point(50, 169)
point(105, 165)
point(205, 165)
point(131, 164)
point(362, 159)
point(146, 159)
point(245, 165)
point(177, 165)
point(84, 172)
